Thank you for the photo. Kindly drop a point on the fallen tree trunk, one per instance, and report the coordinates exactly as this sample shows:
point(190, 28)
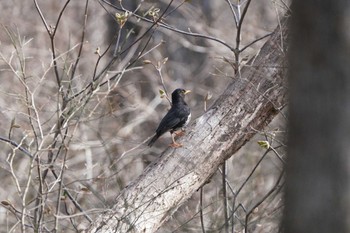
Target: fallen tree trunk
point(248, 104)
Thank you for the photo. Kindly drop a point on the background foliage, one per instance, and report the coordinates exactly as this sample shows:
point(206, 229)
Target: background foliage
point(79, 98)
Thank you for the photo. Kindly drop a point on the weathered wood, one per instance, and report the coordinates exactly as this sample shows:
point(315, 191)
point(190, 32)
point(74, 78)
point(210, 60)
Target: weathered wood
point(250, 102)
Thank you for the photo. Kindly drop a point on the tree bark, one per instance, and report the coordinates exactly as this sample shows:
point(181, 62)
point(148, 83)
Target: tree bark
point(248, 104)
point(317, 192)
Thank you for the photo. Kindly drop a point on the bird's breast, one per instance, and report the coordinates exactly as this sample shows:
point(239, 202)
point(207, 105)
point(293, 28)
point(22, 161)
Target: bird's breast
point(188, 119)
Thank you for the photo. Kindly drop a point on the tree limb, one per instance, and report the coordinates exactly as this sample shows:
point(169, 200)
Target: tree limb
point(250, 102)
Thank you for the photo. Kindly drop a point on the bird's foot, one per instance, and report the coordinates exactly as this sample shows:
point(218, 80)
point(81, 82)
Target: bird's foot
point(175, 145)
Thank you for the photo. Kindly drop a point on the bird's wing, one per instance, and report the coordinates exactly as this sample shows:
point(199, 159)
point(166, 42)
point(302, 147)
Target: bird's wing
point(170, 120)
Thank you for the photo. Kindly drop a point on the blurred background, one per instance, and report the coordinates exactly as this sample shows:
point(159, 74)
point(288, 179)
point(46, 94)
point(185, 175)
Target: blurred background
point(80, 92)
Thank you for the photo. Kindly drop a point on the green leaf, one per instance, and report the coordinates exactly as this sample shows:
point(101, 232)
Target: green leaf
point(264, 144)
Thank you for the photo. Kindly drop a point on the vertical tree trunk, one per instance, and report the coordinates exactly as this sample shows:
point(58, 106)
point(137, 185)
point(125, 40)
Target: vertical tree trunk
point(318, 169)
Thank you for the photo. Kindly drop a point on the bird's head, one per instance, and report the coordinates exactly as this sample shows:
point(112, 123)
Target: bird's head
point(179, 94)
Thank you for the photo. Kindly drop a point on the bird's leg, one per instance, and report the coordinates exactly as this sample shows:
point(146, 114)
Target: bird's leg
point(174, 144)
point(180, 132)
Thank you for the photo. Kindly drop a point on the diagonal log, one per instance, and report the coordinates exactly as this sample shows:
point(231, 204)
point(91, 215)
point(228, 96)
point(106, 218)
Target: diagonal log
point(248, 104)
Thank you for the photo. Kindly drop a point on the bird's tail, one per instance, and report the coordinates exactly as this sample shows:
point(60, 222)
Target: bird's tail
point(153, 140)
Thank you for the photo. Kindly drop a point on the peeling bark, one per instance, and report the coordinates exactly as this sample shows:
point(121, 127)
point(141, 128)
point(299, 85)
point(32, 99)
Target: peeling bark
point(248, 104)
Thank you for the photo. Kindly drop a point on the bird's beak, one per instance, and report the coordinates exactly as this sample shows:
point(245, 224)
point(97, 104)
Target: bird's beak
point(187, 91)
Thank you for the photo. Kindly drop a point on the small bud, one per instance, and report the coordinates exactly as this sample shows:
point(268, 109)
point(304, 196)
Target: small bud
point(161, 93)
point(6, 203)
point(158, 66)
point(85, 190)
point(208, 96)
point(97, 51)
point(13, 124)
point(122, 18)
point(165, 60)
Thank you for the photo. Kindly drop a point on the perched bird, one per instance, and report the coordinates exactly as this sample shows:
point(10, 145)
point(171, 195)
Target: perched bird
point(178, 117)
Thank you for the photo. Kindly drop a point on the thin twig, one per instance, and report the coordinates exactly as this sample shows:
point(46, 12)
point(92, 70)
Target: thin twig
point(166, 26)
point(18, 146)
point(254, 41)
point(224, 195)
point(75, 66)
point(201, 209)
point(252, 172)
point(76, 204)
point(273, 189)
point(42, 17)
point(59, 18)
point(238, 36)
point(25, 196)
point(236, 19)
point(116, 50)
point(105, 69)
point(59, 192)
point(240, 23)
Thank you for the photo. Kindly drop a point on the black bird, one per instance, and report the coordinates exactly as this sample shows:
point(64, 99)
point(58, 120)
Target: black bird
point(178, 117)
